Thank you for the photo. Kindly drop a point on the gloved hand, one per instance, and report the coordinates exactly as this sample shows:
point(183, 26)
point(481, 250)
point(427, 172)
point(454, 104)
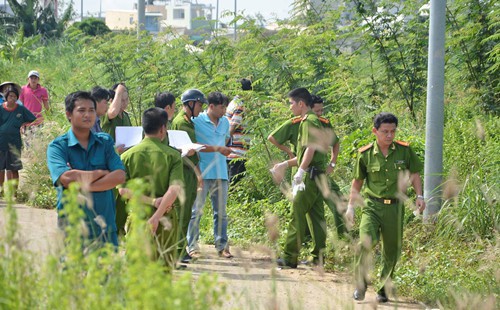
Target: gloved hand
point(297, 178)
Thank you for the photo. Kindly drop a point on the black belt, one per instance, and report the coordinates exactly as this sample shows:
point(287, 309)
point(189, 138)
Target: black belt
point(386, 201)
point(314, 172)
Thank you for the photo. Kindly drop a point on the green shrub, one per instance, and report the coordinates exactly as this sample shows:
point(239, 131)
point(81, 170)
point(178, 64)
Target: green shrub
point(96, 278)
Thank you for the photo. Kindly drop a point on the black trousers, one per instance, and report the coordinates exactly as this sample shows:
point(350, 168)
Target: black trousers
point(235, 170)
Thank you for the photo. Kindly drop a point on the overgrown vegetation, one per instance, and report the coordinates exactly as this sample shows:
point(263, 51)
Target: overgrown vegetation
point(374, 61)
point(98, 279)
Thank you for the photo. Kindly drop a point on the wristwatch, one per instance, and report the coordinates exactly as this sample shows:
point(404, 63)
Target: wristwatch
point(420, 197)
point(332, 164)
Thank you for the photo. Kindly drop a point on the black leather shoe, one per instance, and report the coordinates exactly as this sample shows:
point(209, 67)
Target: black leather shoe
point(382, 296)
point(359, 294)
point(284, 264)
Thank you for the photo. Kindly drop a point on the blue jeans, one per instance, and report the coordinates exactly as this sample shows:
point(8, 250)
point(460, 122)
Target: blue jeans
point(217, 188)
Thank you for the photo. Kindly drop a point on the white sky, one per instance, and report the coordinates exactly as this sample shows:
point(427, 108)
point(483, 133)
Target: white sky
point(270, 9)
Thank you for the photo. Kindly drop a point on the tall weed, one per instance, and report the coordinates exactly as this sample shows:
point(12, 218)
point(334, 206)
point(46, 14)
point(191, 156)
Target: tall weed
point(99, 278)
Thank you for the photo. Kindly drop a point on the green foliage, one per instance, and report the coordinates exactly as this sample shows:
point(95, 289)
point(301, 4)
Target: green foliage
point(34, 18)
point(436, 269)
point(17, 46)
point(374, 62)
point(98, 277)
point(474, 31)
point(92, 27)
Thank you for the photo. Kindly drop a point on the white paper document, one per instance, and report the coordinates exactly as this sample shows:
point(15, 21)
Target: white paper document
point(180, 140)
point(128, 135)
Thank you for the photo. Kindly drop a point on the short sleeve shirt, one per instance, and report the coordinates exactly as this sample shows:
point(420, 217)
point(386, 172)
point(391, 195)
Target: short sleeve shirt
point(156, 163)
point(212, 165)
point(109, 126)
point(33, 98)
point(327, 125)
point(65, 153)
point(380, 172)
point(10, 125)
point(288, 132)
point(182, 122)
point(310, 124)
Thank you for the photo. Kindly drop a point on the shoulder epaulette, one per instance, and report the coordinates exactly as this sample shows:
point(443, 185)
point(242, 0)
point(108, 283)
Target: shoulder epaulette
point(324, 120)
point(365, 148)
point(402, 143)
point(296, 119)
point(305, 117)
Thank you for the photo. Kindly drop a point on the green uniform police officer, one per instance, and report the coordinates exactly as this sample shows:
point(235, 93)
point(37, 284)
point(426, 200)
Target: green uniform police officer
point(288, 132)
point(379, 166)
point(307, 206)
point(192, 103)
point(161, 167)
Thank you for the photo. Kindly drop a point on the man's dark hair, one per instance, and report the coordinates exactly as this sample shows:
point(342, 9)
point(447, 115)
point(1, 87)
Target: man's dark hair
point(246, 84)
point(384, 118)
point(316, 99)
point(100, 93)
point(303, 94)
point(164, 99)
point(112, 91)
point(70, 100)
point(217, 98)
point(153, 119)
point(116, 86)
point(9, 90)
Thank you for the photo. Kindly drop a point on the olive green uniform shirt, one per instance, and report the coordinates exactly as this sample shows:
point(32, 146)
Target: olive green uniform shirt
point(288, 132)
point(306, 136)
point(182, 122)
point(109, 126)
point(159, 165)
point(380, 172)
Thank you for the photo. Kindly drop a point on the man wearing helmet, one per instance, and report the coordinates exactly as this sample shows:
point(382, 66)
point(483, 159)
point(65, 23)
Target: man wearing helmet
point(192, 103)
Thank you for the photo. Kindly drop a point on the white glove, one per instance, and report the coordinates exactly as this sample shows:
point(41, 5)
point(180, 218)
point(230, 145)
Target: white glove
point(349, 214)
point(297, 178)
point(297, 187)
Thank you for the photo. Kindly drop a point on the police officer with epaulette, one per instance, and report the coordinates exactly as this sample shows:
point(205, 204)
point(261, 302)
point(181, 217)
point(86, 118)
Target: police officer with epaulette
point(379, 165)
point(307, 206)
point(288, 132)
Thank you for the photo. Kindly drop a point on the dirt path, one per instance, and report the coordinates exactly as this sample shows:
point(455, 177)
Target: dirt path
point(252, 281)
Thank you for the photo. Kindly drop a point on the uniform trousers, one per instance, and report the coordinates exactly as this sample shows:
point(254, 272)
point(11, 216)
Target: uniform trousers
point(379, 222)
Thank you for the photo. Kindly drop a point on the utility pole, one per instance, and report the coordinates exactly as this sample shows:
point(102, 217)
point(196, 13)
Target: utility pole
point(217, 17)
point(435, 110)
point(141, 16)
point(235, 26)
point(81, 10)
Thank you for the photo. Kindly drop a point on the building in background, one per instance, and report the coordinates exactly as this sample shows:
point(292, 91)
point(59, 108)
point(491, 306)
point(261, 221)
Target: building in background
point(183, 16)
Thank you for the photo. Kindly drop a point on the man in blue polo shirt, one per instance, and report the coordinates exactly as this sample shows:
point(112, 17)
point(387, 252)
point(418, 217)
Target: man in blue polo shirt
point(90, 159)
point(212, 130)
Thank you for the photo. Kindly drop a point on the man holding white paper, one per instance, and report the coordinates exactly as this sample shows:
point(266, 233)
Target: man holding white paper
point(160, 166)
point(212, 130)
point(192, 103)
